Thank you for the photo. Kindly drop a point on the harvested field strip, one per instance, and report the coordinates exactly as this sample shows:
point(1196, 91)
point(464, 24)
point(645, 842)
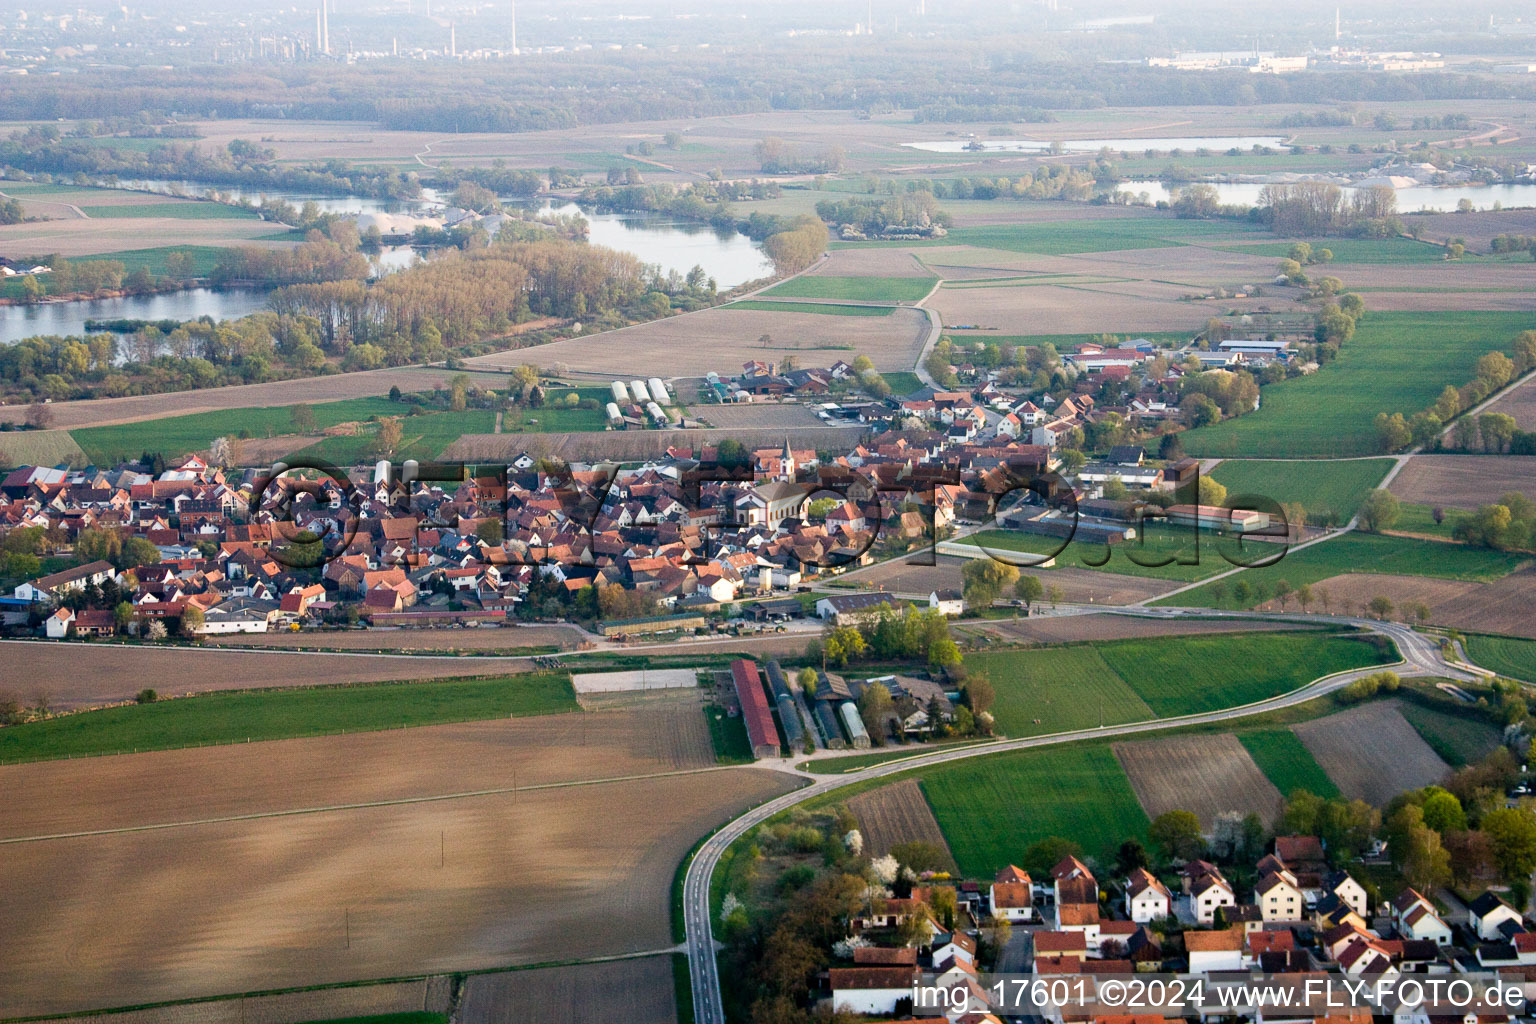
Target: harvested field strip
point(1191, 674)
point(860, 289)
point(618, 992)
point(1357, 552)
point(1372, 753)
point(1287, 762)
point(236, 717)
point(1320, 487)
point(896, 814)
point(991, 809)
point(178, 211)
point(1504, 655)
point(825, 308)
point(1208, 775)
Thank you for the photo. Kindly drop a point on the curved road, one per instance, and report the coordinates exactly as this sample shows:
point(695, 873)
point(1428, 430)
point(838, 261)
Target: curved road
point(1420, 656)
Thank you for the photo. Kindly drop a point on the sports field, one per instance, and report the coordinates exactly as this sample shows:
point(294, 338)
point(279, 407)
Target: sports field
point(1396, 362)
point(1321, 487)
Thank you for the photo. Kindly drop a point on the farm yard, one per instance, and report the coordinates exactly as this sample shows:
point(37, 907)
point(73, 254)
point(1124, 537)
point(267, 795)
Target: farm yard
point(896, 814)
point(1382, 368)
point(428, 878)
point(1209, 775)
point(1372, 753)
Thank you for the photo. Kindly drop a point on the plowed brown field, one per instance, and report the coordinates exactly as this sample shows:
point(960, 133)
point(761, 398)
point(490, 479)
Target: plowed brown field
point(1208, 775)
point(1372, 752)
point(896, 814)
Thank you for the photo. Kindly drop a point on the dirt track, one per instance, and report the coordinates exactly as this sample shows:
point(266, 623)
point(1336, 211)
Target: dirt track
point(299, 899)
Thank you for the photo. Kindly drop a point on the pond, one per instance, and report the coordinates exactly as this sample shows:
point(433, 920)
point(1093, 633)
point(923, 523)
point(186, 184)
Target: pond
point(730, 257)
point(1219, 144)
point(1441, 198)
point(65, 318)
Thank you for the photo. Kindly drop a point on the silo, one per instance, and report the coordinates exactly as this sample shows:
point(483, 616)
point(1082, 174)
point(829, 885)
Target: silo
point(638, 388)
point(849, 711)
point(659, 391)
point(620, 392)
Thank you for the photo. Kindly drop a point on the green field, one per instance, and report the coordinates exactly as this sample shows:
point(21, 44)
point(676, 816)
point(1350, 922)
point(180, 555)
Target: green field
point(1191, 674)
point(423, 437)
point(1504, 655)
point(236, 717)
point(902, 383)
point(1396, 362)
point(177, 435)
point(204, 258)
point(1080, 687)
point(992, 808)
point(176, 211)
point(1357, 552)
point(1287, 762)
point(412, 1017)
point(1353, 250)
point(1064, 688)
point(729, 737)
point(1320, 487)
point(1456, 738)
point(1158, 542)
point(1420, 519)
point(37, 448)
point(824, 308)
point(553, 417)
point(1056, 238)
point(854, 289)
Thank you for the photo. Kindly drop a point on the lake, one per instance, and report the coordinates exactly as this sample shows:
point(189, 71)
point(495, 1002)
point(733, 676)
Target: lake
point(1217, 143)
point(1442, 198)
point(730, 257)
point(64, 318)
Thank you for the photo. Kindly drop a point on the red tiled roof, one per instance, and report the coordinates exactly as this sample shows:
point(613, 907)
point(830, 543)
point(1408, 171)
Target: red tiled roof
point(754, 704)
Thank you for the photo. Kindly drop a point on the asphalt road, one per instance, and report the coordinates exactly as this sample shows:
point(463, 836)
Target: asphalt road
point(1420, 656)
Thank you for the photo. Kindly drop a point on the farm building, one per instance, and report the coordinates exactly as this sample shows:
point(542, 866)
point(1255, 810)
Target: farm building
point(53, 586)
point(1214, 517)
point(849, 712)
point(754, 709)
point(845, 608)
point(789, 713)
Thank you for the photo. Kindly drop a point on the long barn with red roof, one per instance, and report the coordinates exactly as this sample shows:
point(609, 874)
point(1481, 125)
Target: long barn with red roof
point(761, 732)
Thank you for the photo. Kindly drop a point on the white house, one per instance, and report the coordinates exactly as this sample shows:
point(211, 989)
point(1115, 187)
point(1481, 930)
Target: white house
point(1351, 892)
point(1146, 899)
point(947, 602)
point(873, 991)
point(1487, 916)
point(1279, 898)
point(1013, 901)
point(1415, 917)
point(47, 589)
point(56, 627)
point(1211, 952)
point(1209, 893)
